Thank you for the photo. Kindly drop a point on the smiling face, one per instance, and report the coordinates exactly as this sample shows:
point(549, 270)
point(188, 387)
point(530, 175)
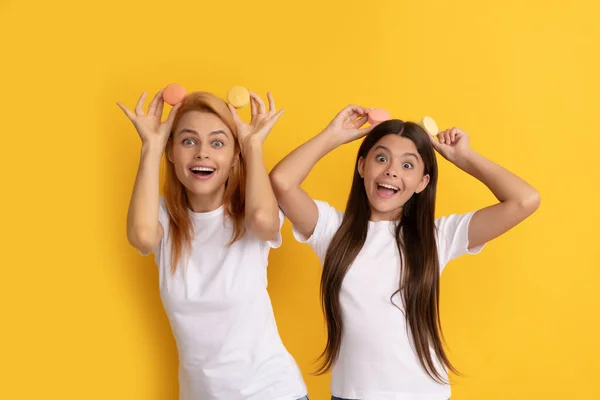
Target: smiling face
point(203, 153)
point(392, 172)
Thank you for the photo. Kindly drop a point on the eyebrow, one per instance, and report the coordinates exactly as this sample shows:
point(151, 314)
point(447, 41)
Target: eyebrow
point(216, 132)
point(405, 154)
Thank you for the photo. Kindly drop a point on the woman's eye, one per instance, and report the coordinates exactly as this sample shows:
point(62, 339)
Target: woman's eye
point(407, 165)
point(189, 142)
point(217, 143)
point(381, 158)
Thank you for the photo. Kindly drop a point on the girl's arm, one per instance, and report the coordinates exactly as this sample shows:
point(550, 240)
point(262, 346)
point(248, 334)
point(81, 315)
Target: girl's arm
point(517, 199)
point(289, 173)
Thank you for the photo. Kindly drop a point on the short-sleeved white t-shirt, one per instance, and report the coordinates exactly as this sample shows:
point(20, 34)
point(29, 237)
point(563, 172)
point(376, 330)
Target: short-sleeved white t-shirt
point(377, 360)
point(221, 315)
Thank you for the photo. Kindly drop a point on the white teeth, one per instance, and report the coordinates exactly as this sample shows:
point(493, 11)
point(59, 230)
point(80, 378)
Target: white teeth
point(388, 186)
point(203, 169)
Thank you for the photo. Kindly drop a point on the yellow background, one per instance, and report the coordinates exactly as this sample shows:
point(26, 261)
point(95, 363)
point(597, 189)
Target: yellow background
point(81, 314)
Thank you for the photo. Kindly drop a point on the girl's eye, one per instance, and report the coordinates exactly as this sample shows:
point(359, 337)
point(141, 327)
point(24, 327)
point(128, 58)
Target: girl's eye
point(189, 142)
point(407, 165)
point(217, 143)
point(381, 158)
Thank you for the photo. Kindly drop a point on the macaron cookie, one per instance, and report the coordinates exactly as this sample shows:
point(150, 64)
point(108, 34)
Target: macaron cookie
point(377, 115)
point(238, 96)
point(174, 94)
point(430, 126)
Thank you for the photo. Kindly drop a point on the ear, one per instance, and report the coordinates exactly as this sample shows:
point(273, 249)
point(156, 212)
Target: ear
point(423, 184)
point(236, 159)
point(361, 167)
point(170, 153)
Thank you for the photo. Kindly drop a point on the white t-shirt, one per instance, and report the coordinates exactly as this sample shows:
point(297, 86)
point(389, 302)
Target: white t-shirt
point(221, 315)
point(377, 360)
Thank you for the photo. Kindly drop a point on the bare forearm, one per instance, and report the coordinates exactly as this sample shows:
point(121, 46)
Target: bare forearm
point(288, 175)
point(262, 211)
point(505, 185)
point(295, 167)
point(142, 217)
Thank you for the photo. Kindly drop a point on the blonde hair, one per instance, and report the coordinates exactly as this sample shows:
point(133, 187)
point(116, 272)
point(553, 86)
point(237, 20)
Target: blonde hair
point(181, 230)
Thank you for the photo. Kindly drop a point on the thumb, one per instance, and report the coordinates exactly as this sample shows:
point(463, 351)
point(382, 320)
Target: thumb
point(364, 131)
point(172, 114)
point(436, 144)
point(236, 116)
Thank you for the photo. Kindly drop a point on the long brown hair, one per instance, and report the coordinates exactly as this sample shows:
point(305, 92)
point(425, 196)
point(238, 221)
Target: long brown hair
point(415, 237)
point(181, 229)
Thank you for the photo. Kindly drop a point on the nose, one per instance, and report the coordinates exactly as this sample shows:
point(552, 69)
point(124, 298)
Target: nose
point(202, 153)
point(391, 173)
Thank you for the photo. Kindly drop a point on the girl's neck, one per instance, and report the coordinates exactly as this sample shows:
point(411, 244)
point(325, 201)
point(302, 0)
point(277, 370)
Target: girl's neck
point(377, 216)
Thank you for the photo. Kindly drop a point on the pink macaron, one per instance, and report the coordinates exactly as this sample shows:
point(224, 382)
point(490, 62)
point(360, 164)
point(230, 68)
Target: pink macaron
point(174, 94)
point(378, 115)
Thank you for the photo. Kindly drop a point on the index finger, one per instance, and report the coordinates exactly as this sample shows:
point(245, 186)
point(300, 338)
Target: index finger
point(353, 110)
point(236, 116)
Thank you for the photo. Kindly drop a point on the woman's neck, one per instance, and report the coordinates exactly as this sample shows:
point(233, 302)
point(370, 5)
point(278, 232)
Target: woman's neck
point(205, 202)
